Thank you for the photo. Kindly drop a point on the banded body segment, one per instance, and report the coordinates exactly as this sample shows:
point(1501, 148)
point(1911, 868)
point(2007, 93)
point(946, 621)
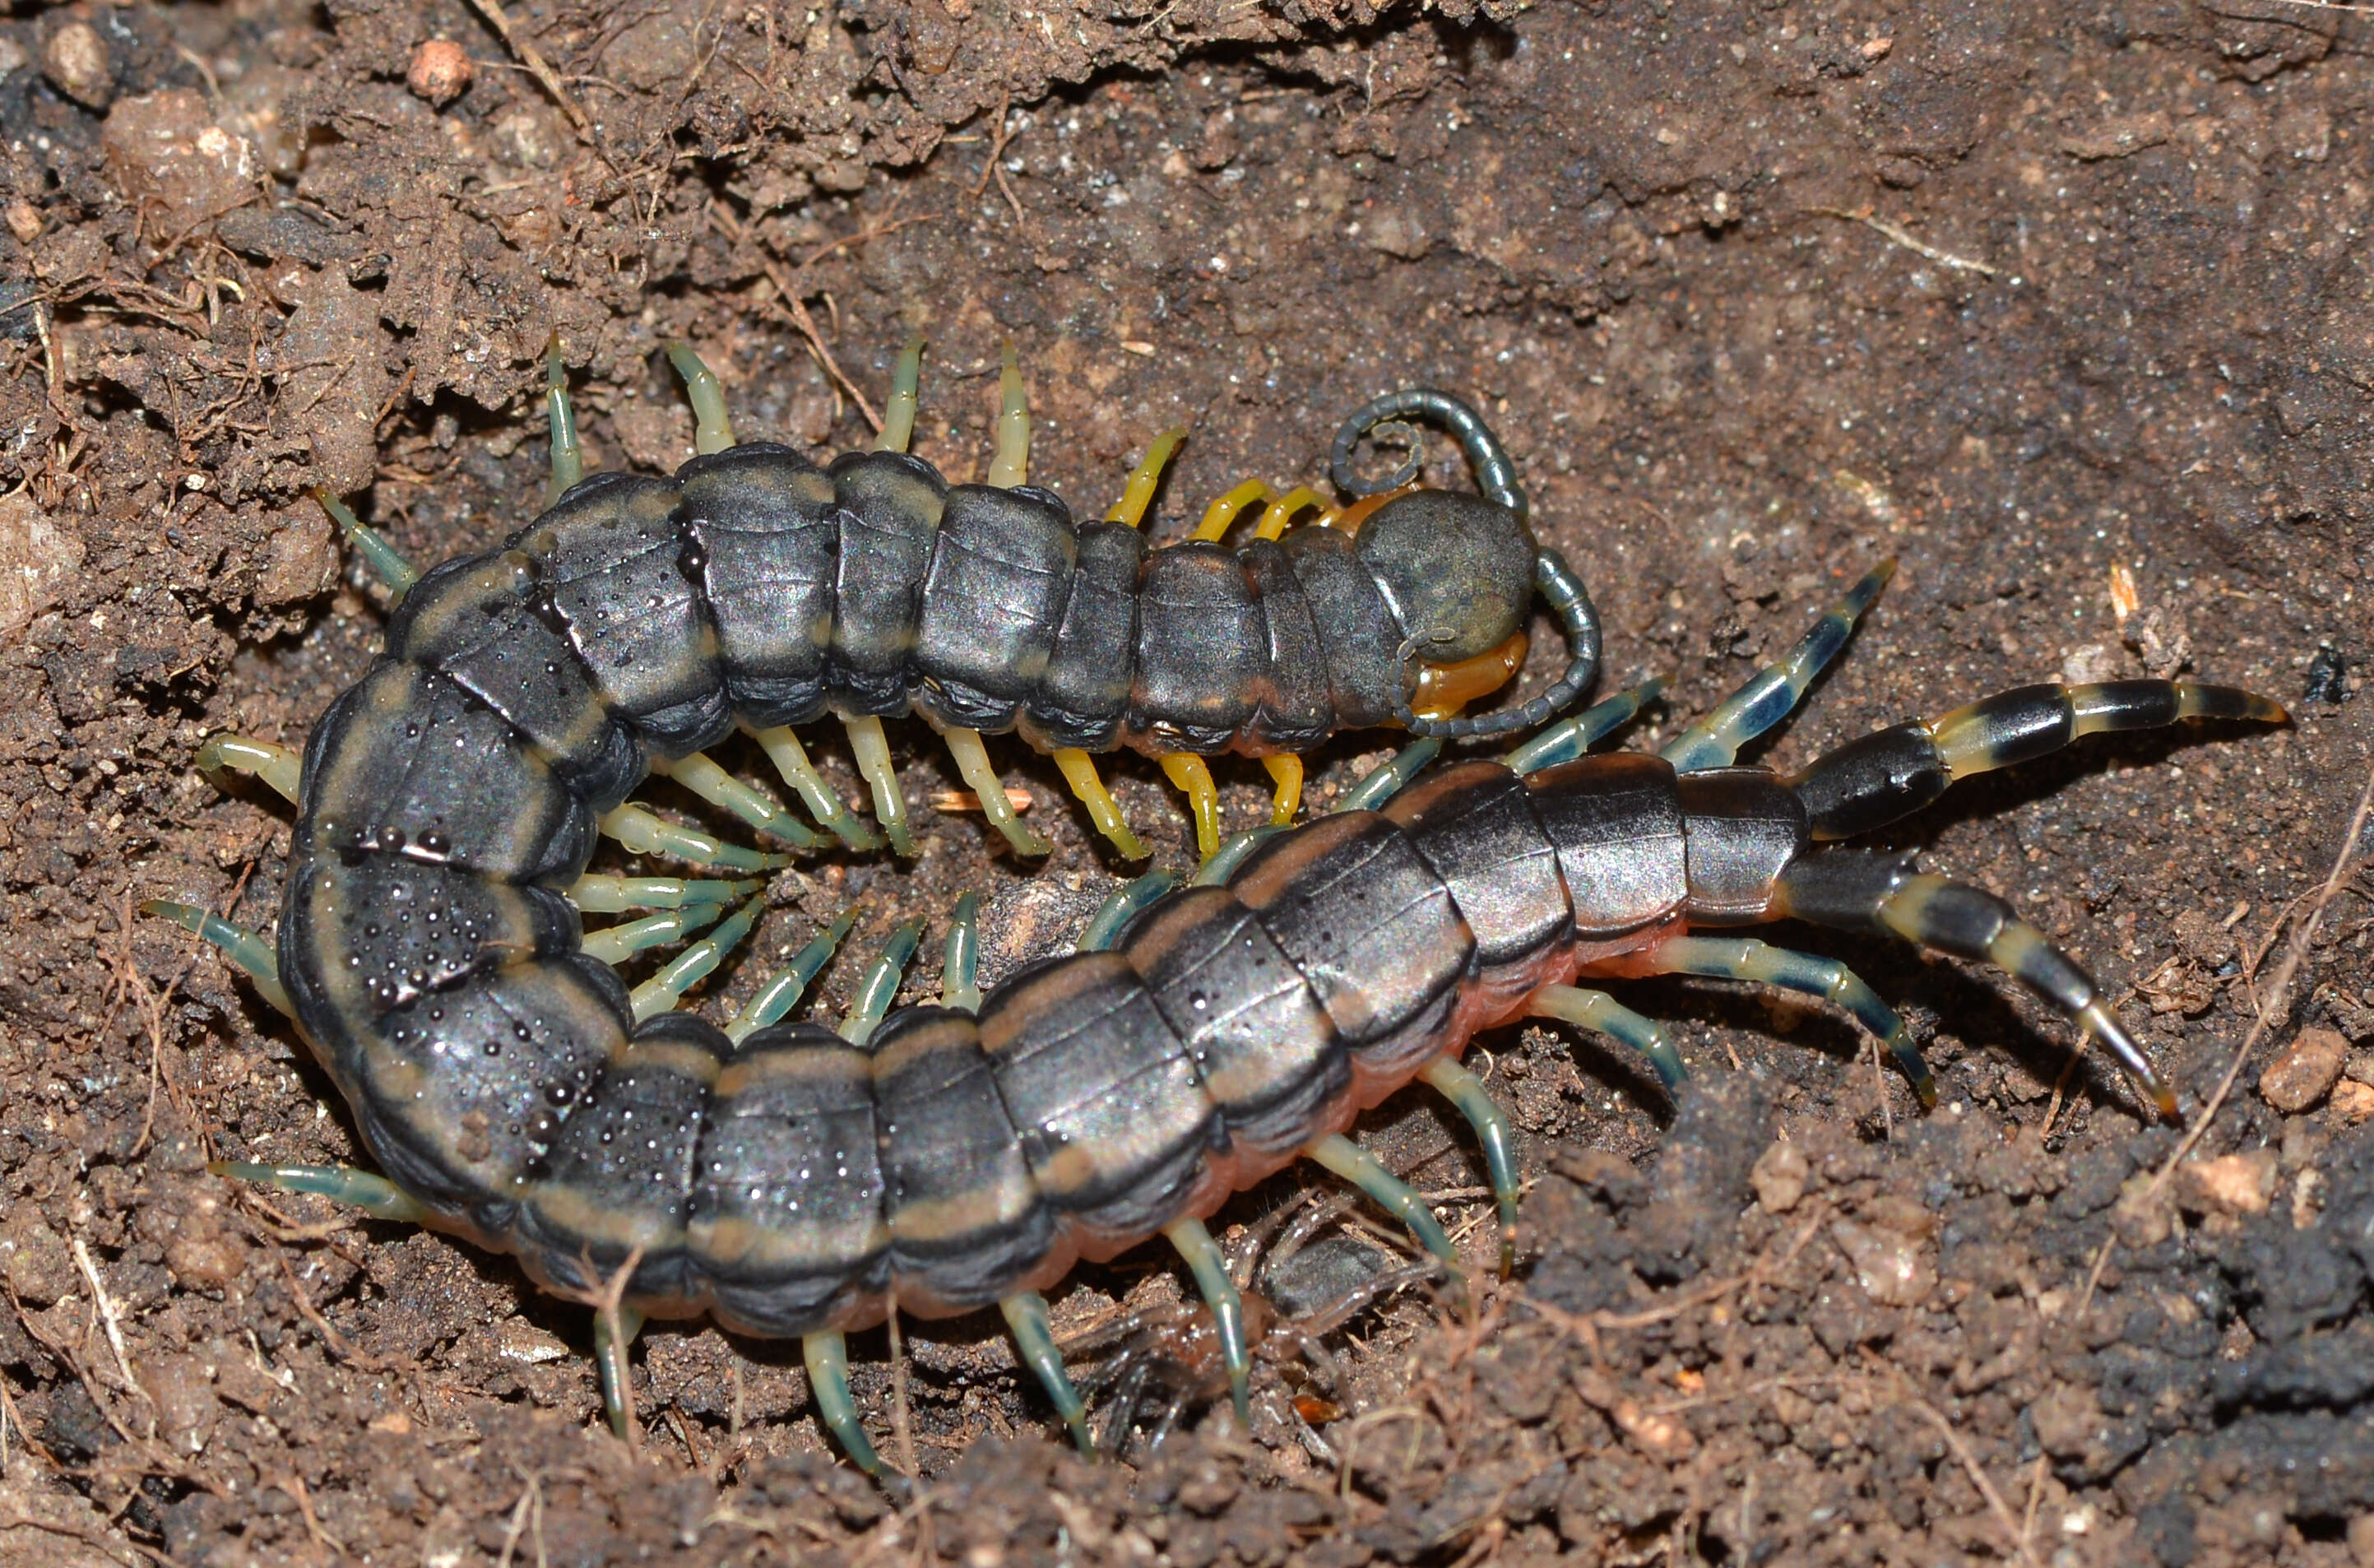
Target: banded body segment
point(992, 602)
point(965, 1218)
point(890, 505)
point(408, 762)
point(1294, 713)
point(1474, 824)
point(764, 527)
point(787, 1206)
point(1741, 828)
point(1616, 823)
point(610, 563)
point(1203, 649)
point(1356, 633)
point(474, 620)
point(1109, 1100)
point(1082, 695)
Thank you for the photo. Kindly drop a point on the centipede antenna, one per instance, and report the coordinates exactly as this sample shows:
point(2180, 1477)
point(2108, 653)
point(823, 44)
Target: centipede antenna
point(791, 758)
point(871, 750)
point(616, 943)
point(374, 1195)
point(713, 429)
point(826, 1355)
point(1602, 1014)
point(698, 772)
point(1389, 777)
point(1282, 510)
point(1569, 600)
point(1745, 958)
point(1191, 774)
point(960, 969)
point(880, 987)
point(644, 833)
point(1467, 1093)
point(1286, 774)
point(1011, 466)
point(1397, 1197)
point(1079, 771)
point(981, 777)
point(595, 893)
point(1104, 927)
point(662, 991)
point(1222, 863)
point(275, 764)
point(782, 990)
point(249, 950)
point(1494, 475)
point(1210, 1268)
point(1570, 739)
point(1138, 493)
point(568, 455)
point(385, 560)
point(905, 393)
point(1770, 694)
point(1223, 512)
point(610, 1357)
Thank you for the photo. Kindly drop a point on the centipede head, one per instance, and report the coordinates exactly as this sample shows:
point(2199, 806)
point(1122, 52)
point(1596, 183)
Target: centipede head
point(1452, 561)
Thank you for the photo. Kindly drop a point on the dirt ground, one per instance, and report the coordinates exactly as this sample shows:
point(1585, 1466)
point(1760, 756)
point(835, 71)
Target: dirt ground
point(2066, 306)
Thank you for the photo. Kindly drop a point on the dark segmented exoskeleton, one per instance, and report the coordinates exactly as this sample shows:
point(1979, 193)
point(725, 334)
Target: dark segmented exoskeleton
point(791, 1179)
point(639, 620)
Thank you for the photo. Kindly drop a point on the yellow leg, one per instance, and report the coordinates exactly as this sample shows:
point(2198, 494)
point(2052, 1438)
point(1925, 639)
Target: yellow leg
point(1282, 510)
point(981, 777)
point(1138, 494)
point(1079, 771)
point(1188, 772)
point(906, 385)
point(871, 748)
point(1011, 466)
point(275, 765)
point(1223, 512)
point(1286, 771)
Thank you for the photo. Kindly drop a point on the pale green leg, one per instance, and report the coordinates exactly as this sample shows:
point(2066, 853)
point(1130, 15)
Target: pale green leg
point(1714, 742)
point(712, 430)
point(1117, 911)
point(644, 833)
point(383, 557)
point(826, 1355)
point(1211, 1270)
point(249, 950)
point(1570, 739)
point(1232, 853)
point(1011, 465)
point(568, 456)
point(791, 759)
point(595, 893)
point(1027, 1314)
point(782, 990)
point(699, 774)
point(1386, 780)
point(1364, 1170)
point(616, 944)
point(880, 987)
point(960, 971)
point(275, 764)
point(871, 750)
point(374, 1195)
point(905, 387)
point(1602, 1014)
point(1466, 1091)
point(610, 1356)
point(1745, 958)
point(662, 991)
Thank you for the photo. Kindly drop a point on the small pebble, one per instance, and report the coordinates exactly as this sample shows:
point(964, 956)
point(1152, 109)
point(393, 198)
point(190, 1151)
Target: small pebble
point(2305, 1072)
point(1890, 1267)
point(440, 71)
point(2353, 1101)
point(24, 221)
point(2231, 1184)
point(74, 59)
point(1779, 1177)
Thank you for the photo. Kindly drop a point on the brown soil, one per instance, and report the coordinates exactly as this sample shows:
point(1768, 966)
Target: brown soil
point(2031, 295)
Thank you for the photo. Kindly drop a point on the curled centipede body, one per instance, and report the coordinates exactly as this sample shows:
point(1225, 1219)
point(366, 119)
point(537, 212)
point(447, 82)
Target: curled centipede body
point(791, 1179)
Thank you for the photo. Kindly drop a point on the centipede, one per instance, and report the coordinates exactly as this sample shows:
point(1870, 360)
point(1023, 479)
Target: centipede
point(794, 1179)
